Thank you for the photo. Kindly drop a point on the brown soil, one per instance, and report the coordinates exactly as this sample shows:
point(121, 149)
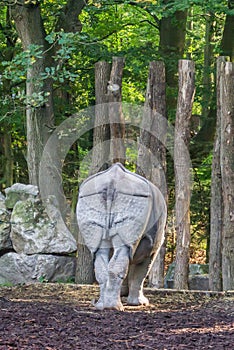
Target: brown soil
point(60, 317)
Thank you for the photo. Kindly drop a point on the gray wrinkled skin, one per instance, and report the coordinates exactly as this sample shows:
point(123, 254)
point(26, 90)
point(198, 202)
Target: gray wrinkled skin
point(121, 217)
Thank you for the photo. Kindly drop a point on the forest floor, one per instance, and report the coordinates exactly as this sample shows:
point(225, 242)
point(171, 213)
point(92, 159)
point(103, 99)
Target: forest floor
point(61, 317)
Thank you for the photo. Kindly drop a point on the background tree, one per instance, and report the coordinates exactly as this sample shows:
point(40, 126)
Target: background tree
point(172, 33)
point(227, 43)
point(8, 46)
point(32, 32)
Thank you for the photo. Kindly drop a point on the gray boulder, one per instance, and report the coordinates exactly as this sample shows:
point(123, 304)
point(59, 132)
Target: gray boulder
point(198, 277)
point(5, 227)
point(19, 192)
point(20, 268)
point(33, 231)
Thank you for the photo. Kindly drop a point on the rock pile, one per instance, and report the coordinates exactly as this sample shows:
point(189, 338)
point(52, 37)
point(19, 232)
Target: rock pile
point(35, 244)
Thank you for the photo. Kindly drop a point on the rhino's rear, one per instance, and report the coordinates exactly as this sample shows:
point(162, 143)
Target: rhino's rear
point(117, 202)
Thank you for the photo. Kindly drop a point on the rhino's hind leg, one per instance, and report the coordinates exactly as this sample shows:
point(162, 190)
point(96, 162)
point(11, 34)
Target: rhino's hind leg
point(117, 271)
point(136, 278)
point(124, 288)
point(101, 273)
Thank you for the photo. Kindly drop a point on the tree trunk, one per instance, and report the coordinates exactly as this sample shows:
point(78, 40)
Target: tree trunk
point(152, 151)
point(182, 171)
point(39, 118)
point(101, 133)
point(208, 54)
point(117, 125)
point(84, 267)
point(190, 28)
point(215, 258)
point(227, 171)
point(227, 43)
point(8, 163)
point(171, 48)
point(8, 168)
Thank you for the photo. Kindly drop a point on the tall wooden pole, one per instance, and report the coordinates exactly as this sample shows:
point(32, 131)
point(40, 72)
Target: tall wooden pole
point(183, 171)
point(227, 171)
point(216, 204)
point(152, 150)
point(117, 125)
point(101, 132)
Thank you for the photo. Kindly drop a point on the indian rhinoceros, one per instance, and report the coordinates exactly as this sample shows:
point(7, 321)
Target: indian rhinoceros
point(121, 217)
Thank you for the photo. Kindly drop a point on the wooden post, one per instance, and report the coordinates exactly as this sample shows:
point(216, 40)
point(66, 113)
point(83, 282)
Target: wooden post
point(117, 125)
point(100, 156)
point(152, 151)
point(182, 171)
point(151, 154)
point(216, 204)
point(108, 140)
point(227, 171)
point(101, 133)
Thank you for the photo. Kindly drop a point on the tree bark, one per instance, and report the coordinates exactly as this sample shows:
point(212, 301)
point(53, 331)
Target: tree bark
point(8, 162)
point(101, 133)
point(227, 171)
point(208, 54)
point(152, 151)
point(182, 171)
point(84, 269)
point(227, 43)
point(30, 28)
point(8, 168)
point(117, 124)
point(216, 205)
point(171, 48)
point(68, 19)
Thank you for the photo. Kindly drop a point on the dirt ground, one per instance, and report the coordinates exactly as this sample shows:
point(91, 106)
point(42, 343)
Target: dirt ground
point(61, 317)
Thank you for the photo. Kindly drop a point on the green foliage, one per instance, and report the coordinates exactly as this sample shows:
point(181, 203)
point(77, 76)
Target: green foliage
point(16, 69)
point(7, 284)
point(42, 279)
point(200, 203)
point(68, 280)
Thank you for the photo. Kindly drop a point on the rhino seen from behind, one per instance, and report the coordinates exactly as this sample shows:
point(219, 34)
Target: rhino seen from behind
point(121, 217)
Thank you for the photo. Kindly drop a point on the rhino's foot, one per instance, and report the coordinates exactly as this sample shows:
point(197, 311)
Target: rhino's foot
point(100, 305)
point(136, 301)
point(114, 306)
